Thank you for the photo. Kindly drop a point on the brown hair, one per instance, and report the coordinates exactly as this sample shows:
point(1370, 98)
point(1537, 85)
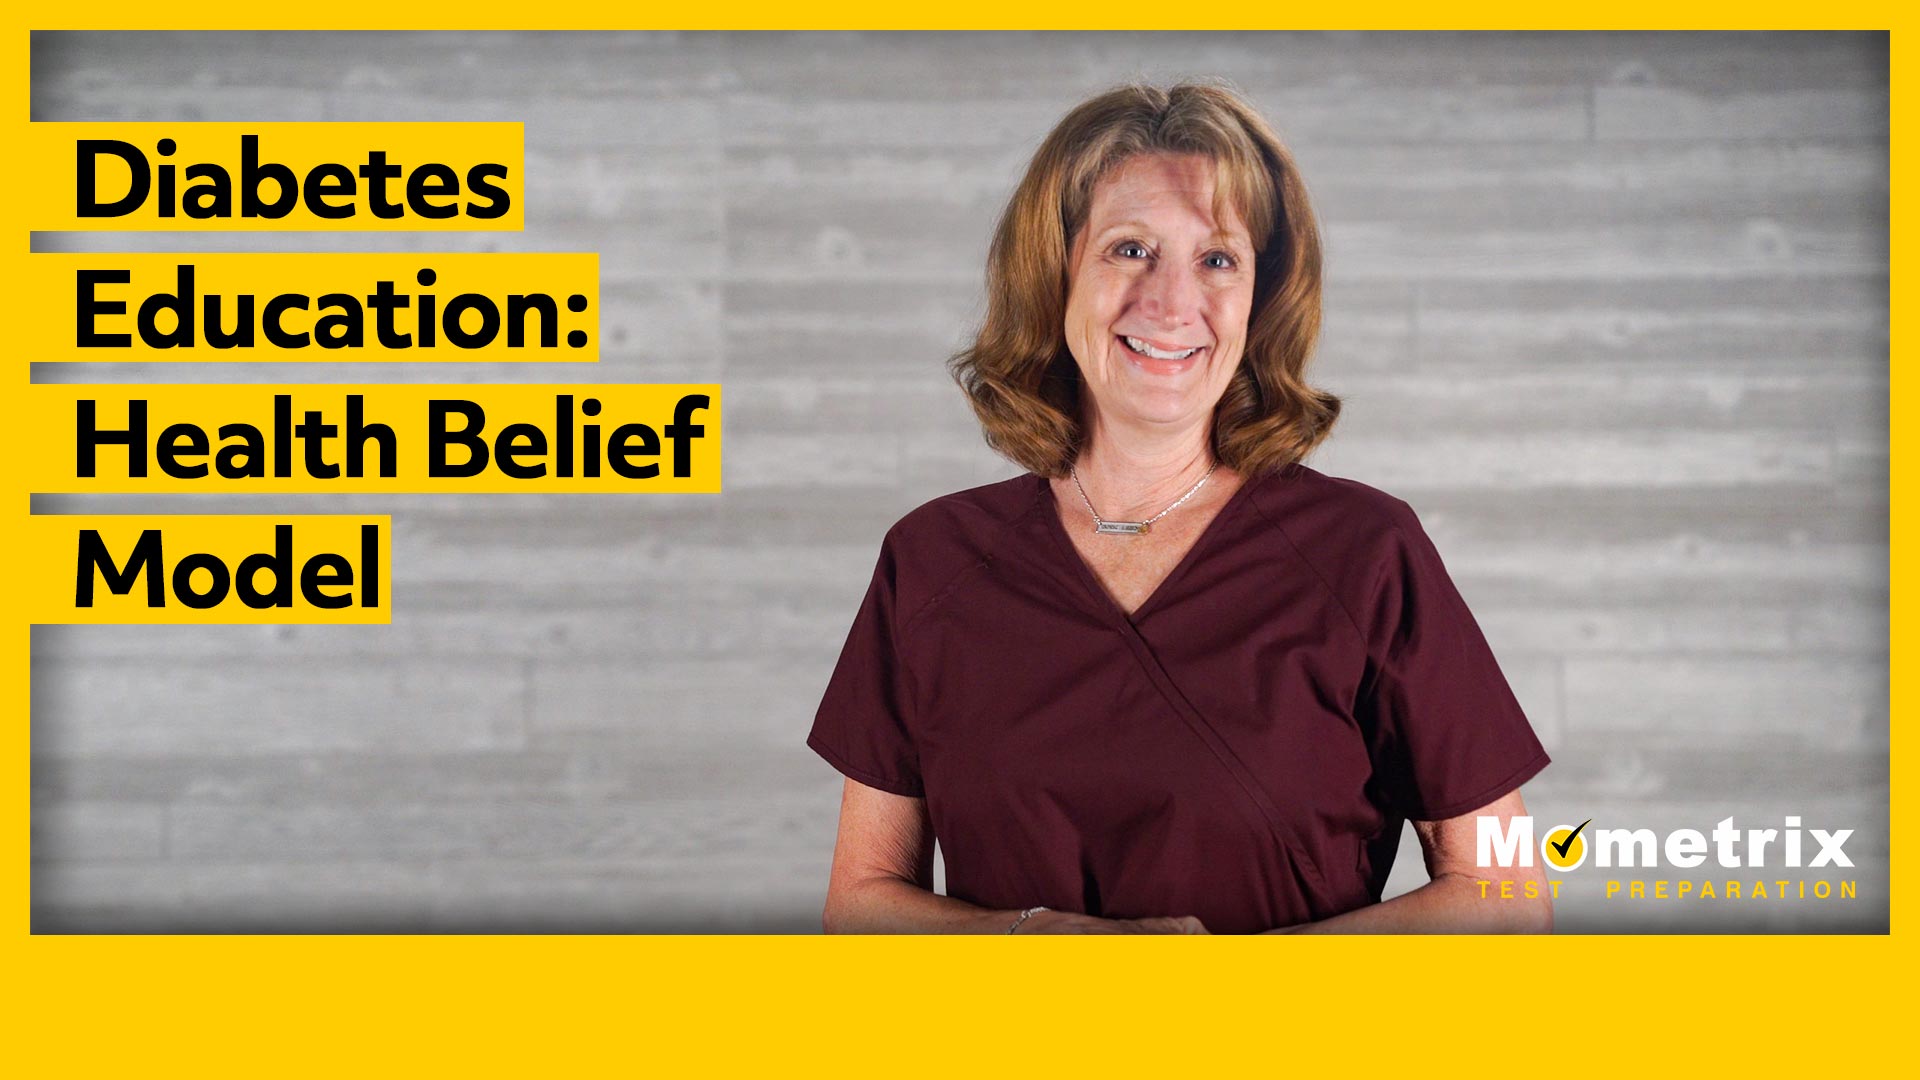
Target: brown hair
point(1018, 375)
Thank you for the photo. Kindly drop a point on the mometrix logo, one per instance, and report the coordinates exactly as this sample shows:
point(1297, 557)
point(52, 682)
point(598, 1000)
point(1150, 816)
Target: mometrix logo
point(1565, 847)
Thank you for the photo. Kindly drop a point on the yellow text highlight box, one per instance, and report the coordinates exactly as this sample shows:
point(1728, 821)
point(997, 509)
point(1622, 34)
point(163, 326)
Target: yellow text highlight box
point(617, 437)
point(208, 568)
point(516, 306)
point(293, 175)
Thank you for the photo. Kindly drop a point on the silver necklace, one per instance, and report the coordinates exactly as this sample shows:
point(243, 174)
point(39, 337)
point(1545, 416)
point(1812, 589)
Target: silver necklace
point(1134, 528)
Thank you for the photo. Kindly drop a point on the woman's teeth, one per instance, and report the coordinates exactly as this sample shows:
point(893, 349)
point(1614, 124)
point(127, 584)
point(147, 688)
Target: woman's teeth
point(1145, 349)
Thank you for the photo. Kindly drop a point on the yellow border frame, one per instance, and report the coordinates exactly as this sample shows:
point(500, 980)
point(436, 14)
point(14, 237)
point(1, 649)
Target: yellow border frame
point(1180, 1006)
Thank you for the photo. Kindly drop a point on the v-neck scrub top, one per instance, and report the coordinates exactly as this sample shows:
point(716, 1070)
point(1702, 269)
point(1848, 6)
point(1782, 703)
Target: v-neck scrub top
point(1243, 748)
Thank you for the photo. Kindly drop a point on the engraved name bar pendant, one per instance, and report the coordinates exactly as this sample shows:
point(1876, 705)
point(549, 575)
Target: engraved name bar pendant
point(1134, 528)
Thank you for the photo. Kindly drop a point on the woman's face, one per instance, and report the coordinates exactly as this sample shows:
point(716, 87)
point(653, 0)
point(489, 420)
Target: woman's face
point(1158, 293)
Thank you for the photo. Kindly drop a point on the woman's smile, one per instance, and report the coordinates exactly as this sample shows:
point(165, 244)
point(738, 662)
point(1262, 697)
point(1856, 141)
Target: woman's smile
point(1160, 359)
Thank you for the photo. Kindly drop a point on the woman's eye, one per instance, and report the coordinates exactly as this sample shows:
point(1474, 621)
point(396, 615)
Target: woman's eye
point(1132, 249)
point(1220, 260)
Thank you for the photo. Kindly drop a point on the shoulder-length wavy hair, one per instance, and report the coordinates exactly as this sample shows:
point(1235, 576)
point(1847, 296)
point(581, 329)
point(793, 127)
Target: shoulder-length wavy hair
point(1018, 375)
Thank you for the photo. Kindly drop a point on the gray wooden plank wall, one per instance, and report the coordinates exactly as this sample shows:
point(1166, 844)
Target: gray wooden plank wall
point(1609, 310)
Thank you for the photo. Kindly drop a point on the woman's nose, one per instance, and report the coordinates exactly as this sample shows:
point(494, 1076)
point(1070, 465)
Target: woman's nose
point(1170, 296)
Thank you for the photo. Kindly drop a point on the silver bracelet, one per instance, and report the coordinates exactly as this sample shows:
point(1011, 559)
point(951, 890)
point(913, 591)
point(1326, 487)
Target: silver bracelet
point(1024, 916)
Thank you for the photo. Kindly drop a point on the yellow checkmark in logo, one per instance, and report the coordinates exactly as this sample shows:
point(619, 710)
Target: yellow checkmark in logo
point(1563, 847)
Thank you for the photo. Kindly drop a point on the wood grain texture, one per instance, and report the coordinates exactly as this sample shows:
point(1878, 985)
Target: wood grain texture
point(1609, 310)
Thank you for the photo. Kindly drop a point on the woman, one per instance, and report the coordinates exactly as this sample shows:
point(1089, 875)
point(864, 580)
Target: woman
point(1171, 680)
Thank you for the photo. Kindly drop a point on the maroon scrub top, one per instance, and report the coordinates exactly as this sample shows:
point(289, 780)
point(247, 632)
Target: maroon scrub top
point(1244, 748)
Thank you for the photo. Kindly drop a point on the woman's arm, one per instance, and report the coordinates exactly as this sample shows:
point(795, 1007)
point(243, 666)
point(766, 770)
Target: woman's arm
point(1452, 901)
point(882, 881)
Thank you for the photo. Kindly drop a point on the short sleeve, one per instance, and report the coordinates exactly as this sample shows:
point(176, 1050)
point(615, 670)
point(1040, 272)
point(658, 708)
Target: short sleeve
point(863, 726)
point(1445, 732)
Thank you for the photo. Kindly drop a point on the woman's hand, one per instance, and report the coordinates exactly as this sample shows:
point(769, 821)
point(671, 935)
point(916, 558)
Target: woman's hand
point(882, 881)
point(1066, 922)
